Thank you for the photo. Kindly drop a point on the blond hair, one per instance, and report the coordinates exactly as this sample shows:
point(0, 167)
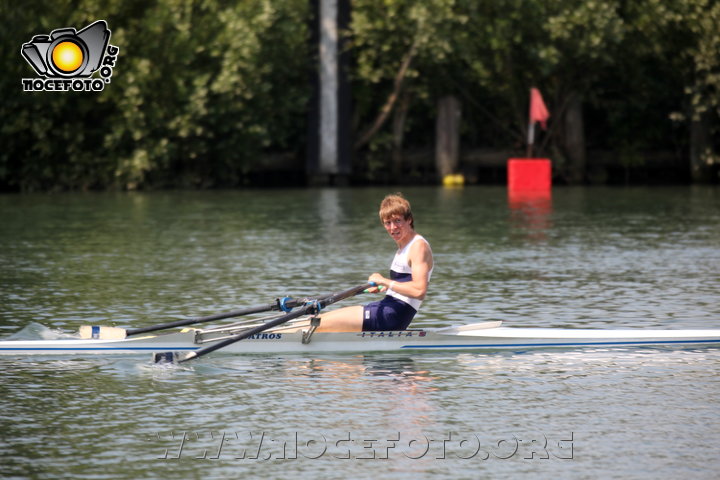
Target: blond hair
point(395, 205)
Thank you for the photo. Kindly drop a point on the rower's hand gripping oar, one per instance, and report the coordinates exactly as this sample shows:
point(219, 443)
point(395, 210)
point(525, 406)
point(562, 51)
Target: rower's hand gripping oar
point(115, 333)
point(312, 306)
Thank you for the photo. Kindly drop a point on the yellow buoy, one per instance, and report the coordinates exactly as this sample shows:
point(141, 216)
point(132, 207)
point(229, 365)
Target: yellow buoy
point(454, 180)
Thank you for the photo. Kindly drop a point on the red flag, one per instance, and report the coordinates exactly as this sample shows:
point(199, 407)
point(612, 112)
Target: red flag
point(538, 111)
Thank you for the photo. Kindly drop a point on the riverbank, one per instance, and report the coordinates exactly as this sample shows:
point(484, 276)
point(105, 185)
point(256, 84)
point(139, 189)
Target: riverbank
point(481, 167)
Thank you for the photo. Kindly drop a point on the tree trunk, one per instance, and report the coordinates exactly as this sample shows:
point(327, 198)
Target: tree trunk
point(575, 139)
point(392, 98)
point(398, 134)
point(700, 149)
point(447, 135)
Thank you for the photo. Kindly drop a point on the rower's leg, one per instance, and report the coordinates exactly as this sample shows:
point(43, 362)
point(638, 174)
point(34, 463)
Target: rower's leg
point(348, 319)
point(293, 327)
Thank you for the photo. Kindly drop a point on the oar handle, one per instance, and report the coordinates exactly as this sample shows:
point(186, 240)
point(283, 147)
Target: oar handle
point(350, 292)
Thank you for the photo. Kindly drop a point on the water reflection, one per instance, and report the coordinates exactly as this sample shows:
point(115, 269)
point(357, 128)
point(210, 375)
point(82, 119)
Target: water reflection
point(401, 370)
point(366, 381)
point(531, 212)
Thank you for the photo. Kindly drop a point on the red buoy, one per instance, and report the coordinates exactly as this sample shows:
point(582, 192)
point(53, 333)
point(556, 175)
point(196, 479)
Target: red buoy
point(529, 175)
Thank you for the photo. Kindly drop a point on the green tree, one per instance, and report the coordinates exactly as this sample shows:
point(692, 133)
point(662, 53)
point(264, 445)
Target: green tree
point(200, 91)
point(685, 34)
point(209, 88)
point(394, 44)
point(495, 51)
point(203, 90)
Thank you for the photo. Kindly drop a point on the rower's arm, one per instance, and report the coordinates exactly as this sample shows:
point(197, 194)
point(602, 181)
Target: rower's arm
point(421, 262)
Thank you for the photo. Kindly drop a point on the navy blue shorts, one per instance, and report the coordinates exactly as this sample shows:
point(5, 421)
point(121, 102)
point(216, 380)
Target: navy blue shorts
point(387, 314)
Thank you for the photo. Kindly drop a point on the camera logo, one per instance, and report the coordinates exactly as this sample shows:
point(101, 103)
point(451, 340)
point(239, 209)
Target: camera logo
point(66, 59)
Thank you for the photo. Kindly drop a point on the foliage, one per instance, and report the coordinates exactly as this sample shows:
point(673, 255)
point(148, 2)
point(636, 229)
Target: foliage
point(203, 89)
point(199, 90)
point(632, 63)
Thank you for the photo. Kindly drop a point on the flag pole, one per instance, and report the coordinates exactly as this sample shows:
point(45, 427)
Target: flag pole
point(531, 139)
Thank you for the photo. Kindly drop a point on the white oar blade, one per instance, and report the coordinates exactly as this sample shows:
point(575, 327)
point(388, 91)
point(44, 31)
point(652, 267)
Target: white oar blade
point(102, 333)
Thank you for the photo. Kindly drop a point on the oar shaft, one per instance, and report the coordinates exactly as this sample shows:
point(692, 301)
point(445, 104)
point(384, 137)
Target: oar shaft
point(209, 318)
point(248, 333)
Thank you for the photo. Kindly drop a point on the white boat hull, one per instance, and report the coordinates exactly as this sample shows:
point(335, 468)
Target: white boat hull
point(483, 336)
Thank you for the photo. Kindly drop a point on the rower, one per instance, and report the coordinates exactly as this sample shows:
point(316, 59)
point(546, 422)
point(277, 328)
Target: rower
point(407, 285)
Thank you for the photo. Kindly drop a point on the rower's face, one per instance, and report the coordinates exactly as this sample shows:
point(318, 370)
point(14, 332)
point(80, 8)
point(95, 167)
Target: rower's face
point(397, 227)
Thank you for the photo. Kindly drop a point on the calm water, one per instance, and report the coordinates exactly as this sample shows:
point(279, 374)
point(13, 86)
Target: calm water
point(606, 258)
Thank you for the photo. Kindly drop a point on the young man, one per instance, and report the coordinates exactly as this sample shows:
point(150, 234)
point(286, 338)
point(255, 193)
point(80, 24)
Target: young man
point(410, 273)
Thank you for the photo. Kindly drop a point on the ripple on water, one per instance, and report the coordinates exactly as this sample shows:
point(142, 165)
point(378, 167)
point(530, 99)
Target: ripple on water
point(606, 258)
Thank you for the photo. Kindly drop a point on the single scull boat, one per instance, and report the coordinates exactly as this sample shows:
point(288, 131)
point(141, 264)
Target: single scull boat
point(296, 338)
point(294, 332)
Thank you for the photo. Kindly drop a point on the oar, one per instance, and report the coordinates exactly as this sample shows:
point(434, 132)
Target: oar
point(116, 333)
point(312, 306)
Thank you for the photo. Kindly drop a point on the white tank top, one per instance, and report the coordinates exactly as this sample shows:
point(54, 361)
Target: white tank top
point(400, 271)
